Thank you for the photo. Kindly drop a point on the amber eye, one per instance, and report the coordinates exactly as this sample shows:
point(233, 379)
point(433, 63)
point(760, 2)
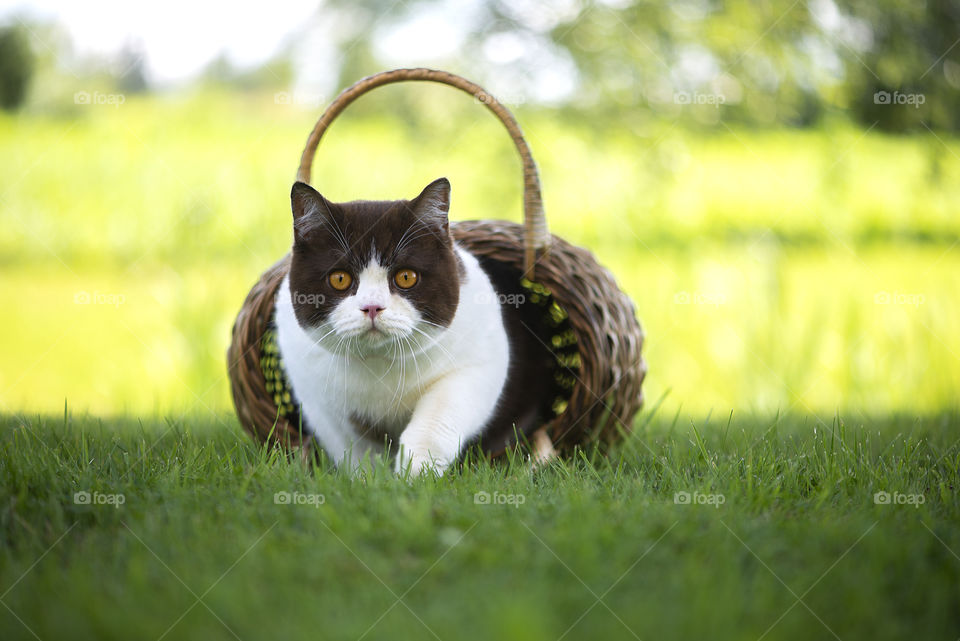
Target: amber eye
point(405, 278)
point(340, 280)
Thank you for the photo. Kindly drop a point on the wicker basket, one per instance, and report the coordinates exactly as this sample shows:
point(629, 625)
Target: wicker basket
point(589, 326)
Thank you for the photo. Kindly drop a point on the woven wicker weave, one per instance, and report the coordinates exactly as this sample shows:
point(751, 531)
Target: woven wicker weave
point(605, 391)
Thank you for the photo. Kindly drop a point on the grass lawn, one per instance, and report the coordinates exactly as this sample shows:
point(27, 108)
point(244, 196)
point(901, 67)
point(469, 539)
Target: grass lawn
point(781, 539)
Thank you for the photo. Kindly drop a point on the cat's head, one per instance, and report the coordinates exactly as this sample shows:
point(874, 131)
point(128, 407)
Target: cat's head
point(367, 275)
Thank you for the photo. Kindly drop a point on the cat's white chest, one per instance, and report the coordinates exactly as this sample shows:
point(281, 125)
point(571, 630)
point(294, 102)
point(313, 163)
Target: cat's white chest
point(385, 389)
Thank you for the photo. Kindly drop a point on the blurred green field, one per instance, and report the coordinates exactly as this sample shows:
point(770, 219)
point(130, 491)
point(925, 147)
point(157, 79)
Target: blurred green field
point(800, 271)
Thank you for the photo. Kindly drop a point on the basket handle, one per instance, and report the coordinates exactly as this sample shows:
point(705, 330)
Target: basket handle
point(536, 237)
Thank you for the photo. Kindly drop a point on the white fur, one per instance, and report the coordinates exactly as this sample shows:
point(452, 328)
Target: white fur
point(433, 389)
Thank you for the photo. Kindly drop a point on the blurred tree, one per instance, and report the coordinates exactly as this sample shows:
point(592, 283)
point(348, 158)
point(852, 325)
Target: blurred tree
point(132, 72)
point(629, 62)
point(636, 65)
point(16, 67)
point(889, 63)
point(906, 74)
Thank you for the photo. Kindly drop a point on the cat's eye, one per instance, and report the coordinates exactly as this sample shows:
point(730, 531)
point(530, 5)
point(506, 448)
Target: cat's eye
point(406, 278)
point(340, 280)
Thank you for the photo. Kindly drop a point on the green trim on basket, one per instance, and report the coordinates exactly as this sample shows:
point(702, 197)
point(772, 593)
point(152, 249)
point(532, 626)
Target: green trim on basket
point(277, 385)
point(563, 342)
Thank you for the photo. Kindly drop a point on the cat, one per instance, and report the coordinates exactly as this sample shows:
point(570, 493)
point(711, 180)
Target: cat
point(392, 336)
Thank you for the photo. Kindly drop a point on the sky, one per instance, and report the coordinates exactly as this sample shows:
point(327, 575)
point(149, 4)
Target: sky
point(180, 37)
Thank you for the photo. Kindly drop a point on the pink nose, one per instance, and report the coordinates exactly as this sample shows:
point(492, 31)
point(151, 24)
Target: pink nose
point(371, 310)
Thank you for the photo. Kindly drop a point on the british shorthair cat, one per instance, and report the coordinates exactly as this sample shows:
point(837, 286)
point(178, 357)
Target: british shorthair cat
point(391, 334)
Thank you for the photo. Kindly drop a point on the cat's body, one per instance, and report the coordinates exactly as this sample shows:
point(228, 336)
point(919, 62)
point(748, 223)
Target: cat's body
point(390, 333)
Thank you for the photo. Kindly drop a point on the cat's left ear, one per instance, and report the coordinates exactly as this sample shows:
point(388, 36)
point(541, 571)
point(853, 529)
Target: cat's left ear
point(433, 204)
point(310, 209)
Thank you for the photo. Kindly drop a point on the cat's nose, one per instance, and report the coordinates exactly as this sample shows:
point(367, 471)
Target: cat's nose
point(371, 310)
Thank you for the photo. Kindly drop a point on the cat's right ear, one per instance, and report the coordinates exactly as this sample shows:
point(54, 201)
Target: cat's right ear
point(432, 206)
point(310, 209)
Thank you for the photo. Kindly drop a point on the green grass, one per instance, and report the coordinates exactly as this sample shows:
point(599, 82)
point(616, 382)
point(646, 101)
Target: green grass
point(199, 549)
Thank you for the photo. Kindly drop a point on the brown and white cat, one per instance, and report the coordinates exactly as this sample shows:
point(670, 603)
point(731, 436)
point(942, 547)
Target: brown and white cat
point(392, 333)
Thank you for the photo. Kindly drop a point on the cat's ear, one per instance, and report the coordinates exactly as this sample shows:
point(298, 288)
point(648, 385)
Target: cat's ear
point(310, 209)
point(433, 204)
